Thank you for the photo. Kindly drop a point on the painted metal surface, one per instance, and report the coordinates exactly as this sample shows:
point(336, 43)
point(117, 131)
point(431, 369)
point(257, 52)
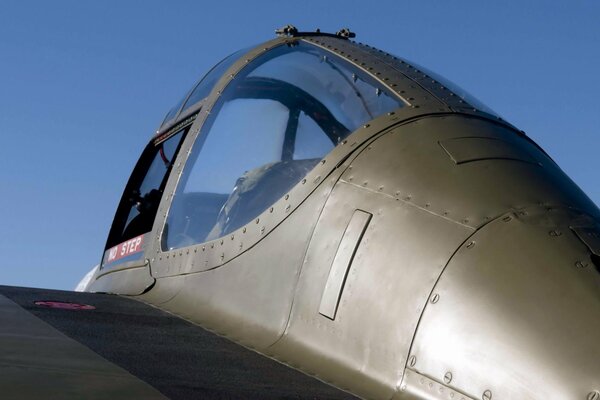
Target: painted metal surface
point(38, 361)
point(516, 307)
point(364, 349)
point(468, 149)
point(341, 263)
point(131, 279)
point(470, 280)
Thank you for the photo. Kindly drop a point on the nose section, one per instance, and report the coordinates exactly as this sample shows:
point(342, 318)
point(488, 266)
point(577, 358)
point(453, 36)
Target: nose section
point(516, 312)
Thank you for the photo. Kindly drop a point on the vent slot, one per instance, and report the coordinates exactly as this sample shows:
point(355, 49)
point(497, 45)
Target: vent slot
point(341, 263)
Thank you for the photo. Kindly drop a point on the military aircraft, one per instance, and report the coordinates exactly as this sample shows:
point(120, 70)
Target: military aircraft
point(344, 212)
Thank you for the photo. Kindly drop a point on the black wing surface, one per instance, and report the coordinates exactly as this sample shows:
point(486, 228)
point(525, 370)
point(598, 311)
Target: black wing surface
point(53, 346)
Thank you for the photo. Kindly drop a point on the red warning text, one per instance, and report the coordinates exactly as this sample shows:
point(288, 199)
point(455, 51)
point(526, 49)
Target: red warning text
point(125, 249)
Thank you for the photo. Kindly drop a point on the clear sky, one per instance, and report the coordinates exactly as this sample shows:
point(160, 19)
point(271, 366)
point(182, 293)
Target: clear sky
point(84, 84)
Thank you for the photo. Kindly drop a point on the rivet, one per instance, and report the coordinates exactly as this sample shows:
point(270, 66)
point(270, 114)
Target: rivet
point(391, 113)
point(470, 245)
point(595, 395)
point(287, 208)
point(303, 181)
point(271, 209)
point(555, 233)
point(435, 298)
point(448, 377)
point(322, 161)
point(262, 230)
point(203, 248)
point(212, 245)
point(506, 219)
point(222, 256)
point(366, 125)
point(412, 361)
point(287, 196)
point(487, 395)
point(221, 242)
point(232, 237)
point(244, 230)
point(257, 220)
point(581, 264)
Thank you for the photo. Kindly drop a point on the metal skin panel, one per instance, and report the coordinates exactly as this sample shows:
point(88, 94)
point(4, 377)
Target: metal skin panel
point(341, 263)
point(590, 235)
point(419, 387)
point(249, 298)
point(393, 271)
point(39, 362)
point(413, 167)
point(131, 281)
point(517, 312)
point(262, 285)
point(468, 149)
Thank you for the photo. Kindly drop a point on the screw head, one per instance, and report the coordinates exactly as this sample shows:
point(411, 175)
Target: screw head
point(487, 395)
point(412, 361)
point(435, 298)
point(448, 377)
point(595, 395)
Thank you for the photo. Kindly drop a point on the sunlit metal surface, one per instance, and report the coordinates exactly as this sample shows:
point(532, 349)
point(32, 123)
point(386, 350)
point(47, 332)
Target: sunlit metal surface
point(472, 272)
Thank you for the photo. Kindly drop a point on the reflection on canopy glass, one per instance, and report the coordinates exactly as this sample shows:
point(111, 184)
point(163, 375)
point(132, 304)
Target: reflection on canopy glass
point(273, 123)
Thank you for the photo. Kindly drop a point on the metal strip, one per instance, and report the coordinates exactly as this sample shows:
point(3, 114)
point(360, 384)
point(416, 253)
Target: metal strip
point(341, 263)
point(590, 236)
point(418, 386)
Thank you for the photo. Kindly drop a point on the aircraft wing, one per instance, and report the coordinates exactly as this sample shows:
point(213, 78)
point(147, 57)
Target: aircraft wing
point(71, 345)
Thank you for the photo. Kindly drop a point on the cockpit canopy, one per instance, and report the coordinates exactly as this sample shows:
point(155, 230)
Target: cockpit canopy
point(271, 125)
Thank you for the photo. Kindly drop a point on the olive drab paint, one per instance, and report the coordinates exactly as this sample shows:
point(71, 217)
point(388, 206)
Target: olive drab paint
point(434, 252)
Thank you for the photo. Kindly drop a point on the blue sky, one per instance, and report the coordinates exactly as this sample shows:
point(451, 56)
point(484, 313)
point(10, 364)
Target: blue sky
point(83, 85)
